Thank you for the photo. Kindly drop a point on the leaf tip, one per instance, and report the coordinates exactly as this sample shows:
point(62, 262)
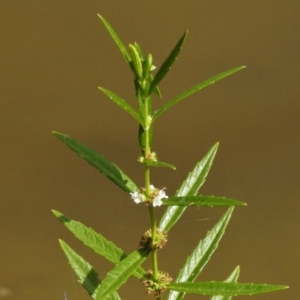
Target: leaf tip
point(55, 212)
point(57, 133)
point(62, 243)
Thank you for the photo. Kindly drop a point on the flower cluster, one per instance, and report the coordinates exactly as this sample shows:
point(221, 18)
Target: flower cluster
point(156, 288)
point(150, 158)
point(148, 242)
point(155, 197)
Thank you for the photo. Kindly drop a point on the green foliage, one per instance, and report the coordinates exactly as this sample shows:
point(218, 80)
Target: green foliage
point(201, 255)
point(156, 281)
point(189, 187)
point(100, 162)
point(224, 288)
point(96, 242)
point(233, 277)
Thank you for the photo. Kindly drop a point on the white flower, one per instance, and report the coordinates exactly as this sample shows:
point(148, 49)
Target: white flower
point(137, 197)
point(157, 199)
point(156, 196)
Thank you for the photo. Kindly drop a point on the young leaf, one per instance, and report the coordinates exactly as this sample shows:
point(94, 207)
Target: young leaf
point(137, 63)
point(139, 50)
point(233, 277)
point(224, 288)
point(166, 66)
point(117, 276)
point(189, 187)
point(96, 242)
point(122, 103)
point(156, 90)
point(160, 164)
point(147, 65)
point(100, 162)
point(195, 89)
point(201, 255)
point(201, 200)
point(87, 276)
point(116, 39)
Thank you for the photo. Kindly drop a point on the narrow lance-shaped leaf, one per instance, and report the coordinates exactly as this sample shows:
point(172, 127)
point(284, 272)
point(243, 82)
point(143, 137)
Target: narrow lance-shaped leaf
point(119, 275)
point(233, 277)
point(202, 254)
point(87, 275)
point(96, 242)
point(156, 90)
point(116, 39)
point(189, 187)
point(160, 164)
point(137, 61)
point(139, 50)
point(122, 103)
point(201, 200)
point(195, 89)
point(224, 288)
point(166, 66)
point(100, 162)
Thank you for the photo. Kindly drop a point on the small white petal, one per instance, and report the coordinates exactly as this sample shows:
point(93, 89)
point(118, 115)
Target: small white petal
point(157, 202)
point(137, 201)
point(137, 197)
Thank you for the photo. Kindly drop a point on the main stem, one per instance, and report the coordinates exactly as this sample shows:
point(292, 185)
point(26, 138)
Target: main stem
point(147, 151)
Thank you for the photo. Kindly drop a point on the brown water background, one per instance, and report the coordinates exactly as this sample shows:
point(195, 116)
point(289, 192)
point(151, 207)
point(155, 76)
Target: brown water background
point(54, 54)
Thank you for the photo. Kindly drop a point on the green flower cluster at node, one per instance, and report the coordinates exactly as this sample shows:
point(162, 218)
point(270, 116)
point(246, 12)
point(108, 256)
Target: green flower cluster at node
point(155, 197)
point(153, 287)
point(149, 158)
point(148, 242)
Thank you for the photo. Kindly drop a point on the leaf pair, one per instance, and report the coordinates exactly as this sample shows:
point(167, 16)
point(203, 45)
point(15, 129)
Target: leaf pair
point(125, 265)
point(183, 198)
point(184, 283)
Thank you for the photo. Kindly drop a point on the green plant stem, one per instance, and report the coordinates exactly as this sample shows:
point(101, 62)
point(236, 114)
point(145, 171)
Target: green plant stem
point(147, 187)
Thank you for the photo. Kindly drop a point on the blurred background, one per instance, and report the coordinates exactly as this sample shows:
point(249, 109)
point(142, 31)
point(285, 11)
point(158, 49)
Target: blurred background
point(54, 55)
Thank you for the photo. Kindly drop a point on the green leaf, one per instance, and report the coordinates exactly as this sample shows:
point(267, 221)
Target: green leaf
point(139, 50)
point(189, 187)
point(123, 104)
point(116, 38)
point(202, 253)
point(96, 242)
point(136, 61)
point(117, 276)
point(201, 200)
point(87, 276)
point(166, 66)
point(100, 162)
point(156, 90)
point(195, 89)
point(160, 164)
point(147, 65)
point(233, 277)
point(224, 288)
